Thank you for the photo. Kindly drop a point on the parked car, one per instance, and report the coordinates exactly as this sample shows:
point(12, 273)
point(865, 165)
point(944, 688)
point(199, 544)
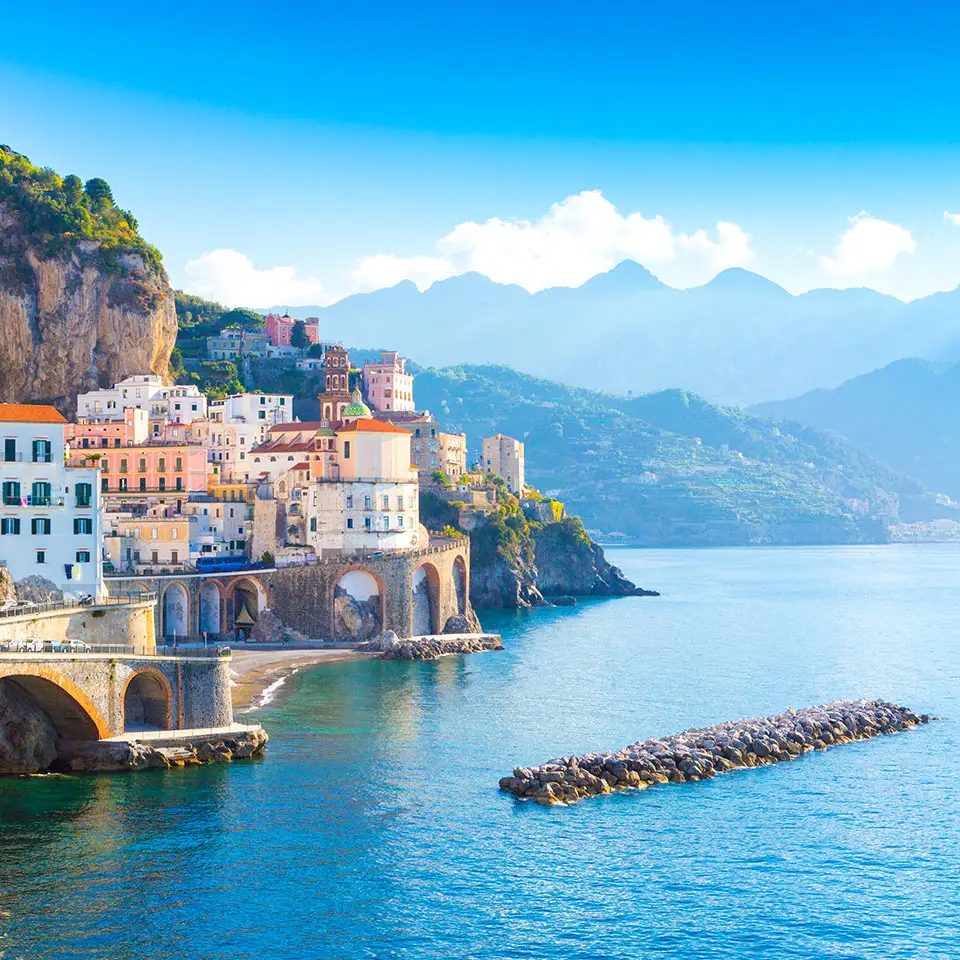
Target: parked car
point(76, 646)
point(9, 605)
point(29, 645)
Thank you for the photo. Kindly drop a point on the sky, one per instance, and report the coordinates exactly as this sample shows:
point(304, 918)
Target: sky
point(297, 153)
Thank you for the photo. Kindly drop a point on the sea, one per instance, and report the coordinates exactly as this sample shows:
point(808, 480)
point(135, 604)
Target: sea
point(374, 827)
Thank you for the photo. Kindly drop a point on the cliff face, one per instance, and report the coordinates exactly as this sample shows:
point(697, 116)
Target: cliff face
point(569, 563)
point(497, 583)
point(70, 324)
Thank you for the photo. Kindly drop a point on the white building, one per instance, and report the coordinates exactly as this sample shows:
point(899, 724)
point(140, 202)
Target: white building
point(369, 502)
point(260, 408)
point(50, 518)
point(180, 404)
point(238, 424)
point(503, 456)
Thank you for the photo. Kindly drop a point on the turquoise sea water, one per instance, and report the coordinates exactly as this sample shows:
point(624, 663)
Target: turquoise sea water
point(374, 827)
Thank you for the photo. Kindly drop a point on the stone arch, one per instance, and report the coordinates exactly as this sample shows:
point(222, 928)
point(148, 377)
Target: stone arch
point(210, 600)
point(72, 713)
point(358, 604)
point(249, 599)
point(175, 610)
point(426, 600)
point(460, 585)
point(147, 701)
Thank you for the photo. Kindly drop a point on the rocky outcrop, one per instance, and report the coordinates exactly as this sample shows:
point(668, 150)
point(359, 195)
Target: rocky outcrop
point(702, 754)
point(38, 589)
point(105, 756)
point(569, 564)
point(432, 648)
point(69, 324)
point(355, 619)
point(269, 628)
point(28, 740)
point(7, 589)
point(503, 583)
point(463, 623)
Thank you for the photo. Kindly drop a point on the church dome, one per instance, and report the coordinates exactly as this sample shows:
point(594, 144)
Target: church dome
point(356, 409)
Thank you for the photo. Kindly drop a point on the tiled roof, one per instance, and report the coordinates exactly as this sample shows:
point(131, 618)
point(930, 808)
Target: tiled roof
point(30, 413)
point(372, 426)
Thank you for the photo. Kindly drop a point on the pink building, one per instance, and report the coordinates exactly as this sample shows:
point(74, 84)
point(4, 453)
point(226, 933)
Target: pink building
point(99, 434)
point(279, 329)
point(148, 468)
point(389, 388)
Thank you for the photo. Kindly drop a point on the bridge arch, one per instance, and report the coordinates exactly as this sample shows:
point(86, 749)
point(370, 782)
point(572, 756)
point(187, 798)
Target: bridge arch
point(72, 713)
point(248, 599)
point(426, 600)
point(358, 604)
point(211, 597)
point(147, 701)
point(175, 610)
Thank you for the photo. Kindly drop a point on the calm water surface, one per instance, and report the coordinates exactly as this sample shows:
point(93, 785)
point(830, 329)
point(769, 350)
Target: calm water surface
point(374, 828)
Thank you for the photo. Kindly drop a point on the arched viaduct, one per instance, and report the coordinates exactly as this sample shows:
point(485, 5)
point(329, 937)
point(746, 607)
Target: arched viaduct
point(412, 593)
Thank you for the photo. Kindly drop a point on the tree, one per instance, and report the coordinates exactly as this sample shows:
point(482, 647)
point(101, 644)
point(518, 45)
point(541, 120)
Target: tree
point(298, 336)
point(98, 190)
point(73, 188)
point(315, 351)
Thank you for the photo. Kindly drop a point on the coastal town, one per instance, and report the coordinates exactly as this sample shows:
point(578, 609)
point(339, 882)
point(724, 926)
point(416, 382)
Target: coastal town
point(159, 526)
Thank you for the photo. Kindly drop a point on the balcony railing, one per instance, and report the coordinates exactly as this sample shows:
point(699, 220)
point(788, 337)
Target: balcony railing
point(31, 501)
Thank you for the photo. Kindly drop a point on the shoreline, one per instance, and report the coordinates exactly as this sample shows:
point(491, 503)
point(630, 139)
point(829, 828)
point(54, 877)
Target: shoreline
point(255, 674)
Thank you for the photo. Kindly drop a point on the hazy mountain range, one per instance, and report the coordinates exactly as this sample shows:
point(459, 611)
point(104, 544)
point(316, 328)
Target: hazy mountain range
point(905, 414)
point(739, 339)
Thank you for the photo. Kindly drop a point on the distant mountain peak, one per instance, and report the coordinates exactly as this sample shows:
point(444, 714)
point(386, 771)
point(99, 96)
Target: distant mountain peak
point(626, 276)
point(740, 280)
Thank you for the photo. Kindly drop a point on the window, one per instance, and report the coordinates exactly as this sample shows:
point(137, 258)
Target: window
point(366, 502)
point(84, 494)
point(40, 526)
point(163, 483)
point(10, 526)
point(143, 465)
point(11, 493)
point(154, 533)
point(41, 556)
point(143, 484)
point(104, 484)
point(386, 502)
point(9, 449)
point(162, 465)
point(83, 556)
point(313, 524)
point(174, 556)
point(262, 414)
point(350, 501)
point(123, 465)
point(40, 494)
point(349, 523)
point(367, 523)
point(174, 533)
point(400, 522)
point(42, 451)
point(346, 450)
point(386, 523)
point(82, 525)
point(122, 485)
point(400, 503)
point(178, 464)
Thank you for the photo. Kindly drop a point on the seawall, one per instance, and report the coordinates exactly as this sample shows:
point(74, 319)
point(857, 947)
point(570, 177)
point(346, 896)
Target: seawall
point(701, 754)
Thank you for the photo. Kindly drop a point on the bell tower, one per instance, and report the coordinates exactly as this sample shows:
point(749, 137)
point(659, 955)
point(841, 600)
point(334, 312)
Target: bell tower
point(336, 383)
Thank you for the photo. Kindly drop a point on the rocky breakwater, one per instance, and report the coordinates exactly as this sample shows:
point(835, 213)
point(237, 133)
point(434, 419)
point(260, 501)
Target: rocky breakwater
point(100, 756)
point(391, 647)
point(701, 754)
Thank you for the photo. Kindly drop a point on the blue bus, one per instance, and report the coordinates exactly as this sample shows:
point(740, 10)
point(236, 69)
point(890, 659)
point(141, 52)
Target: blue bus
point(224, 564)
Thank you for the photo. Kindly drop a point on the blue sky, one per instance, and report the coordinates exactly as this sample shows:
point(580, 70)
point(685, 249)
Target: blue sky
point(301, 152)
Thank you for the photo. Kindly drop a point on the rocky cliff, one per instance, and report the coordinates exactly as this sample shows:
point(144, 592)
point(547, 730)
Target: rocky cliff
point(84, 299)
point(68, 325)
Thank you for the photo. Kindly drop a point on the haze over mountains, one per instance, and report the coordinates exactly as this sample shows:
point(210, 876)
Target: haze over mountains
point(904, 414)
point(739, 339)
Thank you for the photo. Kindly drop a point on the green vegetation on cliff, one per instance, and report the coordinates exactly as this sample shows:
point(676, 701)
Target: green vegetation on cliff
point(55, 213)
point(670, 468)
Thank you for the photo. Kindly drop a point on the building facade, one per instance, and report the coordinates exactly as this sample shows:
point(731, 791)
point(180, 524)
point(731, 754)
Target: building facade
point(279, 330)
point(336, 394)
point(389, 387)
point(51, 521)
point(503, 456)
point(143, 392)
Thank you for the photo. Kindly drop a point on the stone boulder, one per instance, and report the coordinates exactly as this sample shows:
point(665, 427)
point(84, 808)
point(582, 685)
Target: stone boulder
point(28, 740)
point(38, 589)
point(355, 619)
point(269, 628)
point(460, 623)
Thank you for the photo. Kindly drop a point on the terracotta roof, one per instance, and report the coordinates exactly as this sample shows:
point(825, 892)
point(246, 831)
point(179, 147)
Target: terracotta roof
point(372, 426)
point(311, 425)
point(30, 413)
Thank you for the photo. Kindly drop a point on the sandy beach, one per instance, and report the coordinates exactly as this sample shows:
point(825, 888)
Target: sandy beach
point(255, 671)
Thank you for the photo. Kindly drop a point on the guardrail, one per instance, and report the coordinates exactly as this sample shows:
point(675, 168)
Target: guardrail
point(48, 606)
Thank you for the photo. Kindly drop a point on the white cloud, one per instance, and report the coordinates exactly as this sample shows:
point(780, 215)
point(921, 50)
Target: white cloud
point(576, 239)
point(868, 245)
point(231, 278)
point(387, 270)
point(953, 218)
point(731, 249)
